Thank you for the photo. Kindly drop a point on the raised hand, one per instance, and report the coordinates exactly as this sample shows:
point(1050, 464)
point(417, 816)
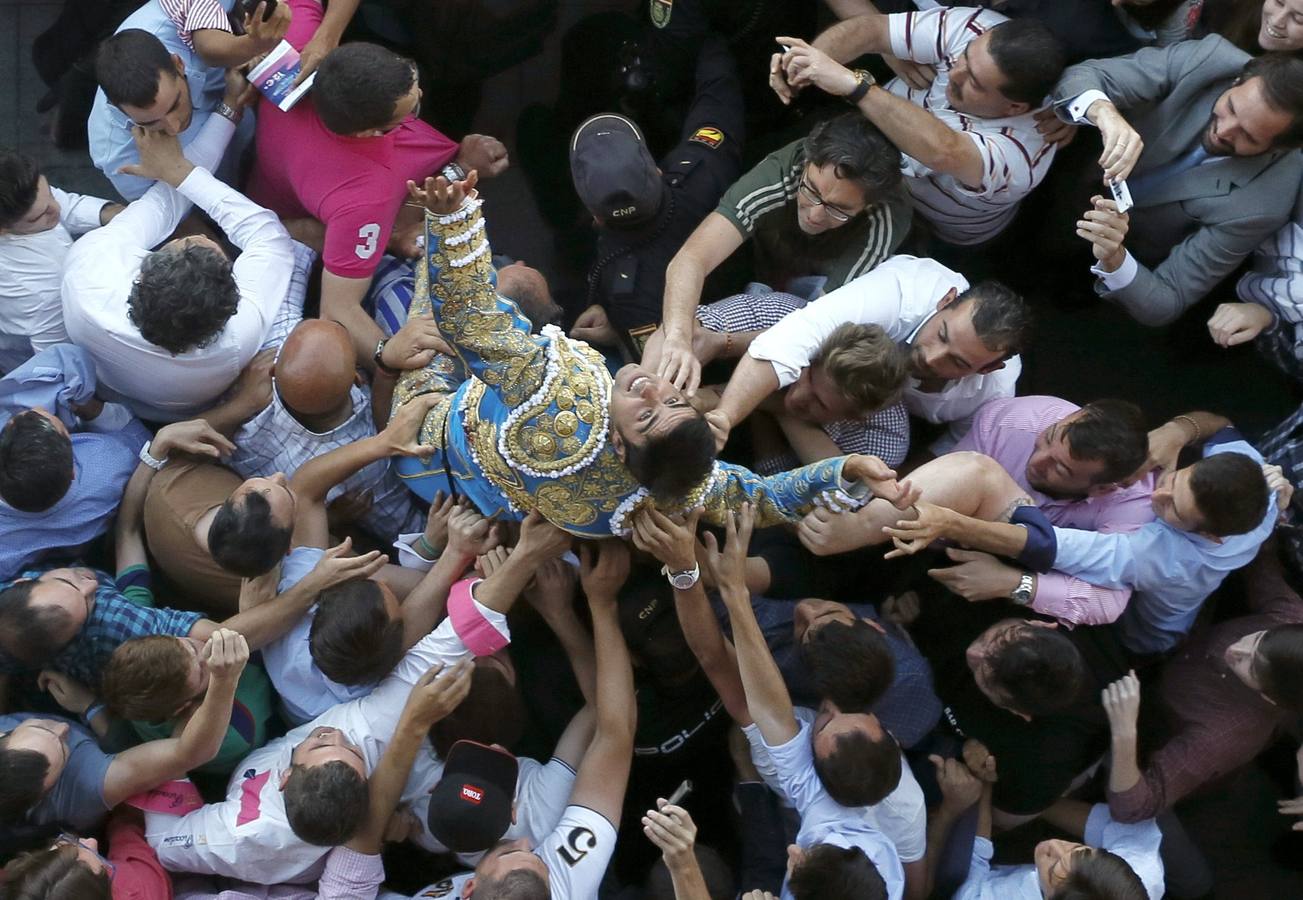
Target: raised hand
point(226, 654)
point(1238, 323)
point(728, 567)
point(195, 436)
point(603, 569)
point(1121, 701)
point(670, 541)
point(337, 566)
point(1106, 229)
point(438, 692)
point(440, 197)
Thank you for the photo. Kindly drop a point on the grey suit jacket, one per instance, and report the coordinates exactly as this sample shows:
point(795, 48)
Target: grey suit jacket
point(1194, 229)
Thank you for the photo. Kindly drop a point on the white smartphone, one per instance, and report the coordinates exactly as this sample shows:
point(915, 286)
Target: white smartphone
point(1121, 194)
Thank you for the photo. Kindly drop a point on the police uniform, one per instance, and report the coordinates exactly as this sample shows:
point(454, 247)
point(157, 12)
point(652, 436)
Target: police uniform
point(628, 278)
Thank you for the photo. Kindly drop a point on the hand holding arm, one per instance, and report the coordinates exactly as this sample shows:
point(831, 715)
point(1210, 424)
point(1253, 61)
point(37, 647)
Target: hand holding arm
point(249, 396)
point(1168, 440)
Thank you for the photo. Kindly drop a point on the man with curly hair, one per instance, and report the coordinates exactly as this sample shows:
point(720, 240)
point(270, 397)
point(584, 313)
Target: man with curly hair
point(176, 325)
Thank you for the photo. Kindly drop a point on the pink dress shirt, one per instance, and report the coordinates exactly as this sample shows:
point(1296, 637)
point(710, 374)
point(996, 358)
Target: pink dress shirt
point(1007, 430)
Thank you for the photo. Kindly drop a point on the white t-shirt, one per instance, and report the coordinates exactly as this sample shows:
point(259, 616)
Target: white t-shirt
point(576, 854)
point(1015, 157)
point(248, 836)
point(901, 816)
point(899, 296)
point(31, 276)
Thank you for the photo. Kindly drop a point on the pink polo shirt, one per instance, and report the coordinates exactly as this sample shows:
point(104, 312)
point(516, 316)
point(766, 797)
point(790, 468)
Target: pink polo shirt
point(354, 186)
point(1006, 430)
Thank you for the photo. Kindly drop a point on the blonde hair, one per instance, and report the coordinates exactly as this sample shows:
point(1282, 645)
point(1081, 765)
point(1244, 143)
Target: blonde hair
point(866, 365)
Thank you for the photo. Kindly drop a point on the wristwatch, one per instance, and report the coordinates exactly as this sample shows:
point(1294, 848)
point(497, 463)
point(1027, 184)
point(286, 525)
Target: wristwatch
point(150, 461)
point(453, 172)
point(863, 81)
point(226, 111)
point(682, 580)
point(380, 364)
point(1022, 594)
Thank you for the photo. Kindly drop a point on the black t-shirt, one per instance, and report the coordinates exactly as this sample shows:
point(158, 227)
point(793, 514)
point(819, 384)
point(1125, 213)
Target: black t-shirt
point(1037, 760)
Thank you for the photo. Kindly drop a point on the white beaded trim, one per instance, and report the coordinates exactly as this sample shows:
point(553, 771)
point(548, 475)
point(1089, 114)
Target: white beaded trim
point(466, 236)
point(464, 408)
point(553, 371)
point(468, 206)
point(628, 504)
point(838, 500)
point(462, 261)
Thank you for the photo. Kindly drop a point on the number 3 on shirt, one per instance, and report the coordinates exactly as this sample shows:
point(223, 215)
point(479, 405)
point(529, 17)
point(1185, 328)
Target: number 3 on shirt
point(368, 238)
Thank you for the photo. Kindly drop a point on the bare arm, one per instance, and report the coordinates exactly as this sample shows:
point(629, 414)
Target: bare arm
point(539, 541)
point(809, 442)
point(341, 300)
point(866, 33)
point(674, 544)
point(768, 703)
point(604, 773)
point(150, 764)
point(196, 437)
point(846, 9)
point(433, 697)
point(752, 381)
point(923, 136)
point(552, 596)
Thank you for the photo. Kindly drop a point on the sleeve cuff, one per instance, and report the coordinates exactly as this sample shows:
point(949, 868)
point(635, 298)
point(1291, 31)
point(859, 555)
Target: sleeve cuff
point(201, 188)
point(1120, 277)
point(784, 372)
point(1042, 546)
point(409, 558)
point(1077, 106)
point(1095, 824)
point(481, 629)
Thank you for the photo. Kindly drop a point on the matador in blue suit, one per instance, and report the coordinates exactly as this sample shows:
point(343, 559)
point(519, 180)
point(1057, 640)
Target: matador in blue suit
point(533, 422)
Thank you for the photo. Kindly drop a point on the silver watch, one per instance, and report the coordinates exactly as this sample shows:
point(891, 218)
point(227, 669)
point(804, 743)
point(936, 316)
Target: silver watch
point(1022, 594)
point(453, 172)
point(682, 580)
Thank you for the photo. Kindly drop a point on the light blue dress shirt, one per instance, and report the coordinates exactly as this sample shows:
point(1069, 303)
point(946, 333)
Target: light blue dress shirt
point(824, 820)
point(1136, 843)
point(109, 128)
point(304, 689)
point(1170, 571)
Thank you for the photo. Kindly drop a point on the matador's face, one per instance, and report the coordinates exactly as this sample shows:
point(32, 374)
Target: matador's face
point(645, 406)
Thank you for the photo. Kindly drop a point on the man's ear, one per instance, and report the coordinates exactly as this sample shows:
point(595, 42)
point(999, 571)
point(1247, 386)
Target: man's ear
point(1017, 109)
point(948, 298)
point(285, 777)
point(1212, 537)
point(617, 444)
point(993, 367)
point(1102, 490)
point(179, 64)
point(513, 812)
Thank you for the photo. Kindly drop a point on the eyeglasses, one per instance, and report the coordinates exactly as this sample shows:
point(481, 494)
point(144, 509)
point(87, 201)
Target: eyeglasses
point(811, 195)
point(65, 838)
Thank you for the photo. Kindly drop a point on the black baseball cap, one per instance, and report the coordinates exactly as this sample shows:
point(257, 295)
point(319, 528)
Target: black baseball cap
point(614, 173)
point(470, 807)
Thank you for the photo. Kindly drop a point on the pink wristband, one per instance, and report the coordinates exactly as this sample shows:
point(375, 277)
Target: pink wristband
point(476, 632)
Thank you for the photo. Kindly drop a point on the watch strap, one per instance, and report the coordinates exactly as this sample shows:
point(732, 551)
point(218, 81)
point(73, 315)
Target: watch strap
point(863, 81)
point(376, 358)
point(151, 461)
point(685, 579)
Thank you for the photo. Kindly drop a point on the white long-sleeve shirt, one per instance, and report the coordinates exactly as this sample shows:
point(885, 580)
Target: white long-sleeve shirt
point(900, 295)
point(31, 276)
point(101, 269)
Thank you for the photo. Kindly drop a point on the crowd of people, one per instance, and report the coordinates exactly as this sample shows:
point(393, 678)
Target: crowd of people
point(340, 559)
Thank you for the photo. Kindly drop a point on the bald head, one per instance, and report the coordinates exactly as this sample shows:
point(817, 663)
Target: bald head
point(528, 288)
point(316, 367)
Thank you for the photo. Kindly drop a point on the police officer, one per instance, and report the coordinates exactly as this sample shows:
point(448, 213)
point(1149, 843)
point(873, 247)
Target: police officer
point(644, 212)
